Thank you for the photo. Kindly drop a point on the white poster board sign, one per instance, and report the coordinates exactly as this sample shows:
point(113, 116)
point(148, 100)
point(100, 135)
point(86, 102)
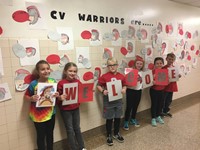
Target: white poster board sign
point(147, 79)
point(173, 74)
point(114, 89)
point(71, 90)
point(46, 93)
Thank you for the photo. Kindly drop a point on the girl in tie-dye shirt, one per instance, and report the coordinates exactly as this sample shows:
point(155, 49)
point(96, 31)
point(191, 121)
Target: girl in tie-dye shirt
point(43, 117)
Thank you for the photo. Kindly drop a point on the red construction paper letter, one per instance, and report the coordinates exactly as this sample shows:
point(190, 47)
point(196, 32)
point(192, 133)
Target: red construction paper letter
point(71, 93)
point(114, 90)
point(147, 79)
point(85, 92)
point(131, 78)
point(173, 73)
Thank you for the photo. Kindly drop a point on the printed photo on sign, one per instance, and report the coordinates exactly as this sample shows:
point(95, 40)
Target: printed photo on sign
point(46, 93)
point(147, 78)
point(71, 90)
point(114, 89)
point(161, 77)
point(173, 74)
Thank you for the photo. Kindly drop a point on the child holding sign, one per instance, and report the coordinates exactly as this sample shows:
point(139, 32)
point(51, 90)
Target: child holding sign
point(43, 117)
point(156, 94)
point(133, 96)
point(70, 113)
point(172, 86)
point(112, 110)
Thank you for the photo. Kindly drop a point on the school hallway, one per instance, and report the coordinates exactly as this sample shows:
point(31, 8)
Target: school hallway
point(181, 132)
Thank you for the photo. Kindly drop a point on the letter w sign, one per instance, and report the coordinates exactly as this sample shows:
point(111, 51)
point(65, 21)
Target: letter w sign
point(71, 90)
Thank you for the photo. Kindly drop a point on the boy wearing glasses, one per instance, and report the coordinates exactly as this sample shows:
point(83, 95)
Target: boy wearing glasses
point(112, 110)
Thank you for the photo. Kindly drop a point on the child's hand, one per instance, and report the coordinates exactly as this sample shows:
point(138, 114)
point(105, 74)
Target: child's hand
point(123, 91)
point(105, 92)
point(56, 94)
point(63, 97)
point(34, 98)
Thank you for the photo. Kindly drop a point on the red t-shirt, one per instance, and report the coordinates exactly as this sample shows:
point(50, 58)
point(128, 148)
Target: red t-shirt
point(172, 86)
point(108, 76)
point(60, 90)
point(158, 87)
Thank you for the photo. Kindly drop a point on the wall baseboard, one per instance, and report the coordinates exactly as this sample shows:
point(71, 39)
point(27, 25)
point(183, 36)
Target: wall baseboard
point(96, 137)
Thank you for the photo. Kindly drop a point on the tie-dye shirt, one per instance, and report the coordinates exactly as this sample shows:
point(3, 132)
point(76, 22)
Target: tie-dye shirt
point(39, 114)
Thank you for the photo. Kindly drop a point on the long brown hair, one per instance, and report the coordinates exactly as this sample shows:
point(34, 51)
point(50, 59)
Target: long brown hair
point(37, 66)
point(67, 66)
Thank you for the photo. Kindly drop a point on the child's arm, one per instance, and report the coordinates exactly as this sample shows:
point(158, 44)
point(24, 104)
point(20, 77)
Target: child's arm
point(33, 98)
point(30, 96)
point(123, 89)
point(102, 90)
point(56, 94)
point(62, 97)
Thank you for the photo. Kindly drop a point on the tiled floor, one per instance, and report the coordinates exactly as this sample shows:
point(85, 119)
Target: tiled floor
point(182, 132)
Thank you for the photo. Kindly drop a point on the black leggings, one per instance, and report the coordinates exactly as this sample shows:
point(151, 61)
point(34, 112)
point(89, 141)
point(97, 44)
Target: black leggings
point(167, 101)
point(45, 131)
point(132, 101)
point(109, 126)
point(157, 98)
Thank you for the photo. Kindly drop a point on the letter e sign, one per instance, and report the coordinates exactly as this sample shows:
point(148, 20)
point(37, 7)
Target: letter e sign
point(173, 74)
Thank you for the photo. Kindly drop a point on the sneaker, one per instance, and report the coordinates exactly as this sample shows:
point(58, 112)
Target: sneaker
point(84, 149)
point(159, 119)
point(119, 138)
point(134, 122)
point(109, 140)
point(153, 122)
point(125, 127)
point(163, 114)
point(169, 114)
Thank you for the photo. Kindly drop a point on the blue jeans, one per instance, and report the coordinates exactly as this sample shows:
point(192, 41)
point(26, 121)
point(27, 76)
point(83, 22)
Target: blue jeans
point(71, 120)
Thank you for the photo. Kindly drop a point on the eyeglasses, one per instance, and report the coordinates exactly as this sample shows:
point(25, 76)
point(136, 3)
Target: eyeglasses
point(112, 65)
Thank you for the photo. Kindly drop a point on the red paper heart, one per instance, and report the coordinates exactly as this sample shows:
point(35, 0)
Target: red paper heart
point(86, 34)
point(88, 76)
point(131, 63)
point(123, 51)
point(20, 16)
point(53, 59)
point(192, 47)
point(1, 30)
point(151, 66)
